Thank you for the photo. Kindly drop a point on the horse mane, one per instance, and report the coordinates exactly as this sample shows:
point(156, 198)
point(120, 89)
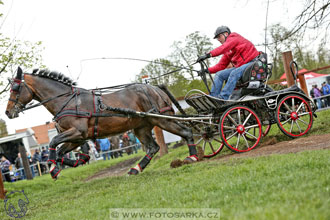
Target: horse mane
point(54, 75)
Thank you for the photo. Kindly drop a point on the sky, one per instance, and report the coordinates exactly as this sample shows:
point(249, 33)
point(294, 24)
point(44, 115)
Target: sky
point(76, 30)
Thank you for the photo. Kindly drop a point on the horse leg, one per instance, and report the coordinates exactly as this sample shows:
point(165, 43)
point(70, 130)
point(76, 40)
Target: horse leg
point(66, 136)
point(176, 128)
point(145, 136)
point(83, 157)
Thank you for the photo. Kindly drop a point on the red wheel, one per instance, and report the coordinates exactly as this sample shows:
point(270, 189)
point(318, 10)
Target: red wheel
point(236, 125)
point(207, 137)
point(294, 116)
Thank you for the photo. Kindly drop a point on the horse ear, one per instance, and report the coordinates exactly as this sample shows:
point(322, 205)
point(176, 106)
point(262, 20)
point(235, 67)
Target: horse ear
point(19, 73)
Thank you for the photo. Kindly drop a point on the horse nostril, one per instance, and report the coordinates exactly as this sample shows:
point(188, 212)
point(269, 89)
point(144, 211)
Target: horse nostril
point(7, 113)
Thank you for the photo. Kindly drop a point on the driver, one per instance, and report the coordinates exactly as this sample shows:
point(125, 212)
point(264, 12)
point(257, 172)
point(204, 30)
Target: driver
point(237, 51)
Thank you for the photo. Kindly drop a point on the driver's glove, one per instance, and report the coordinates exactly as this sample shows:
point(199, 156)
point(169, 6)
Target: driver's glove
point(203, 57)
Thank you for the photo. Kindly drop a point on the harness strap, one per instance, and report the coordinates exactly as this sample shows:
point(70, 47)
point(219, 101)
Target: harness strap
point(97, 100)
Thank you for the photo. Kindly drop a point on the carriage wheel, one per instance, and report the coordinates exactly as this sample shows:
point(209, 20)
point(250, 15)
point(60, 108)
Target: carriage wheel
point(207, 136)
point(236, 125)
point(294, 116)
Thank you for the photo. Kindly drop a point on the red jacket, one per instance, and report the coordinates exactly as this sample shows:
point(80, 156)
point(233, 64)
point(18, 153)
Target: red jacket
point(236, 50)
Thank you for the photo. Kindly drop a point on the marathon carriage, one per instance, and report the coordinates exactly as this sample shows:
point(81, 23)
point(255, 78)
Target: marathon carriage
point(240, 122)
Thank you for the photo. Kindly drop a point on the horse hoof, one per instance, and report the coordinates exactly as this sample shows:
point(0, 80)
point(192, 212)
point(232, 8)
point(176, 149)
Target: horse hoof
point(190, 159)
point(133, 171)
point(55, 172)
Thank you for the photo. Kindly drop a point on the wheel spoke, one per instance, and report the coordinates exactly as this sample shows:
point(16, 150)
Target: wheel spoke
point(302, 121)
point(286, 121)
point(247, 118)
point(251, 126)
point(199, 141)
point(239, 116)
point(246, 142)
point(301, 104)
point(305, 113)
point(284, 113)
point(291, 126)
point(211, 147)
point(217, 140)
point(231, 135)
point(293, 106)
point(239, 137)
point(229, 128)
point(287, 107)
point(298, 126)
point(251, 135)
point(232, 120)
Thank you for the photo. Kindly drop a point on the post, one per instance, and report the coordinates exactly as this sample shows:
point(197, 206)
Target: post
point(160, 141)
point(287, 58)
point(303, 84)
point(38, 165)
point(25, 161)
point(2, 189)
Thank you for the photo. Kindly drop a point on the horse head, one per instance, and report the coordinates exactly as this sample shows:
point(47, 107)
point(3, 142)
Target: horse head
point(20, 95)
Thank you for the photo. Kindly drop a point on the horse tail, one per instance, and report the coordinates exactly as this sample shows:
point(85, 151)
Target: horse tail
point(175, 102)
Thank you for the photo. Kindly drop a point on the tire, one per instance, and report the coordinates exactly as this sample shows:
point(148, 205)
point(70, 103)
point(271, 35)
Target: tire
point(294, 116)
point(235, 125)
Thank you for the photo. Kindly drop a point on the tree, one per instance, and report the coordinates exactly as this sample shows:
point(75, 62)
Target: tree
point(14, 53)
point(3, 128)
point(185, 53)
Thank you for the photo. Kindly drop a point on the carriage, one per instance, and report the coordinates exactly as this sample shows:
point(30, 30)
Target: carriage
point(238, 123)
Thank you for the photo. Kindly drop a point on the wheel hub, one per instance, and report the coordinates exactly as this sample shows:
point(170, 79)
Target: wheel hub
point(240, 129)
point(294, 116)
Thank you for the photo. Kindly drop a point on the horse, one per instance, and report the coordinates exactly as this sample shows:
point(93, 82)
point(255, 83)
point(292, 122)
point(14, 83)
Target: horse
point(82, 114)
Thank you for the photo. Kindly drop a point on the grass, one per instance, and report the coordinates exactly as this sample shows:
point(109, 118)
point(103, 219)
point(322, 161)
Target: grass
point(291, 186)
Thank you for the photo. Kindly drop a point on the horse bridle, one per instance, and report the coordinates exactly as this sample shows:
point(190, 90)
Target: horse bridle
point(17, 88)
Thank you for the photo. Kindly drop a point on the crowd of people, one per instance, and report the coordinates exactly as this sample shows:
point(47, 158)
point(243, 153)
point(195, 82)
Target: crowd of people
point(115, 146)
point(321, 95)
point(17, 165)
point(107, 148)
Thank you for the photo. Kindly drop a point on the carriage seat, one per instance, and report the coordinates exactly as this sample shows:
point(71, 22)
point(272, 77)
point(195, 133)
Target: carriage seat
point(255, 74)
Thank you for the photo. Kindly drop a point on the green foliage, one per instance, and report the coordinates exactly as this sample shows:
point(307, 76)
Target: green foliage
point(281, 41)
point(184, 54)
point(3, 128)
point(14, 53)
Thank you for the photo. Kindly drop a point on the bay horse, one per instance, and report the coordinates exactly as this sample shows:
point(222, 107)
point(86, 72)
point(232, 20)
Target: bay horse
point(82, 114)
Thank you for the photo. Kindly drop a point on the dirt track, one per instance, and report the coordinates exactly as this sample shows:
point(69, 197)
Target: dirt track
point(316, 142)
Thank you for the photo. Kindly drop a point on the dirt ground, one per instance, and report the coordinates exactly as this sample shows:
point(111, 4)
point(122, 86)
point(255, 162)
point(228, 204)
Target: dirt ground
point(316, 142)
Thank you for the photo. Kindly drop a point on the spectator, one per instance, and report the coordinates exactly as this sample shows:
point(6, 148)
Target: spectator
point(5, 164)
point(92, 150)
point(132, 140)
point(105, 147)
point(28, 155)
point(326, 91)
point(36, 158)
point(317, 94)
point(19, 166)
point(44, 158)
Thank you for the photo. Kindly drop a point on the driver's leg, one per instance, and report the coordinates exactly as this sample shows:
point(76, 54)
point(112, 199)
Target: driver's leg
point(234, 76)
point(219, 78)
